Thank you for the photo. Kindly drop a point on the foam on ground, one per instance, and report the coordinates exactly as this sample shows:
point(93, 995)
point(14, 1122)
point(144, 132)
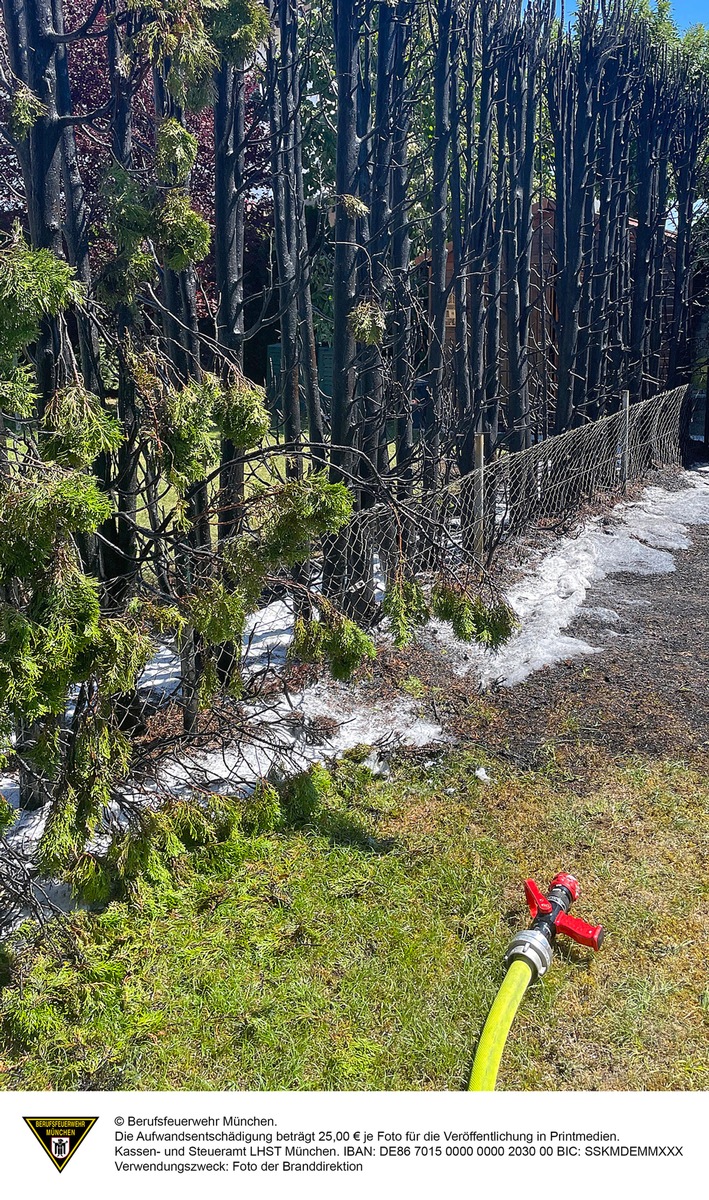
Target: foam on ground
point(639, 538)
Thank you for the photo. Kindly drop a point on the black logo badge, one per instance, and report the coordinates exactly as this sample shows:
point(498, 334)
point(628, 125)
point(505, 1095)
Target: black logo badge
point(60, 1136)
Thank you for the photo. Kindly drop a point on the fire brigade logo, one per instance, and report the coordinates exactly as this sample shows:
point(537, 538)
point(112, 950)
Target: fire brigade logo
point(60, 1137)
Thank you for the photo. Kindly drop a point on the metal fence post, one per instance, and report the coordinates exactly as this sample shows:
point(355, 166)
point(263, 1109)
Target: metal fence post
point(625, 452)
point(479, 500)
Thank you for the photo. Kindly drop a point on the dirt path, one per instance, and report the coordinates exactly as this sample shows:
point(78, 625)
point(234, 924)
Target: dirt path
point(646, 690)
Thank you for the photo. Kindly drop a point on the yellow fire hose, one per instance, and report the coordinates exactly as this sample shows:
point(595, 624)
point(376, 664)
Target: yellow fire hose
point(492, 1041)
point(529, 956)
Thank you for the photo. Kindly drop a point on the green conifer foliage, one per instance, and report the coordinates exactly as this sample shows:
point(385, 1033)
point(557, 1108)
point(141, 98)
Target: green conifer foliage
point(333, 639)
point(129, 205)
point(244, 566)
point(192, 35)
point(7, 815)
point(25, 110)
point(33, 284)
point(123, 276)
point(186, 436)
point(129, 208)
point(183, 237)
point(217, 614)
point(471, 619)
point(141, 859)
point(237, 27)
point(262, 810)
point(122, 522)
point(61, 658)
point(240, 413)
point(190, 415)
point(39, 511)
point(174, 31)
point(79, 428)
point(368, 323)
point(405, 606)
point(140, 216)
point(18, 392)
point(175, 152)
point(301, 510)
point(56, 637)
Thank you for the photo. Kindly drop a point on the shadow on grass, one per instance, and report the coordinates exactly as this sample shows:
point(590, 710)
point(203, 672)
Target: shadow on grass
point(319, 803)
point(341, 829)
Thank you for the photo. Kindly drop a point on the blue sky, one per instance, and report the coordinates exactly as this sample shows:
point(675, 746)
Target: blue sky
point(686, 12)
point(690, 12)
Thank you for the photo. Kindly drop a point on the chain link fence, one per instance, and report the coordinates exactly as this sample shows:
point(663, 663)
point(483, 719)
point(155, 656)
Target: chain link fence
point(553, 480)
point(466, 523)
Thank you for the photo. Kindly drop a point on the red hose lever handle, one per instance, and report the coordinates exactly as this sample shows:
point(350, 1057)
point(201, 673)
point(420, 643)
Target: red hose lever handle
point(536, 901)
point(580, 931)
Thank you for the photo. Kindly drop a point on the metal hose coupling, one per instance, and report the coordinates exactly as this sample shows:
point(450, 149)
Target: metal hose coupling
point(550, 917)
point(530, 946)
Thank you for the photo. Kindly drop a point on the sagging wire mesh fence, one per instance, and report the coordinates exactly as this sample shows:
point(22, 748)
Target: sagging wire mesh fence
point(552, 480)
point(468, 521)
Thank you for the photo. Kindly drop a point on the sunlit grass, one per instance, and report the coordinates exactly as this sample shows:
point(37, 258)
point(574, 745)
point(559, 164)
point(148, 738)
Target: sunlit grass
point(363, 951)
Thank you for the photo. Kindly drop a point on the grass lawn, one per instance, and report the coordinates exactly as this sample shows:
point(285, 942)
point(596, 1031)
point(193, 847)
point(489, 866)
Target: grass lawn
point(362, 951)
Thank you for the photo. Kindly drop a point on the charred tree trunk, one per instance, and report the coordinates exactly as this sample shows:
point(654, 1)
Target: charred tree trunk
point(308, 343)
point(229, 197)
point(573, 73)
point(29, 25)
point(344, 412)
point(462, 110)
point(522, 97)
point(118, 550)
point(433, 408)
point(281, 69)
point(379, 228)
point(402, 362)
point(481, 227)
point(692, 130)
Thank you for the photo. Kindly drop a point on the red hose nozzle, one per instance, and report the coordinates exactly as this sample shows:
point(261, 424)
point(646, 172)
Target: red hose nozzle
point(569, 882)
point(550, 916)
